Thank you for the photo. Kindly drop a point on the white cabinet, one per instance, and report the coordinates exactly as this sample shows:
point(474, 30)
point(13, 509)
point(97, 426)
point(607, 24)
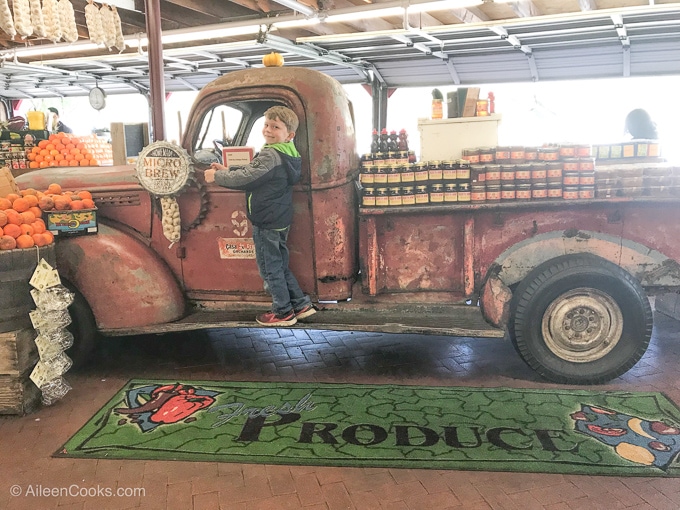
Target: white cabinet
point(445, 139)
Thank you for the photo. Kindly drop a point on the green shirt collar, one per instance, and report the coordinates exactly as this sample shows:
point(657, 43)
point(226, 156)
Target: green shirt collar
point(286, 148)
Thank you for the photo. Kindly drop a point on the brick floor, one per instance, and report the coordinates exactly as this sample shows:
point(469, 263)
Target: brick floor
point(246, 354)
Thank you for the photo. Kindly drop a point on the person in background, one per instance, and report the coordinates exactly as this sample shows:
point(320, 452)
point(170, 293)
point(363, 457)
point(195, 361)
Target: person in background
point(268, 182)
point(640, 125)
point(60, 127)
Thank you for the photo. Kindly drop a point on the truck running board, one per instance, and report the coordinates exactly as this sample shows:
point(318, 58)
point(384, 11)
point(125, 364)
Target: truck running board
point(458, 320)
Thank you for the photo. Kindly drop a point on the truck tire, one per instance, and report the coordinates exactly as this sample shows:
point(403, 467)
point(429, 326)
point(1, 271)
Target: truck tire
point(580, 319)
point(83, 328)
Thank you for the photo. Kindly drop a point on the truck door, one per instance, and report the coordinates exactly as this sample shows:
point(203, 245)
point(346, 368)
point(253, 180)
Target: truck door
point(218, 254)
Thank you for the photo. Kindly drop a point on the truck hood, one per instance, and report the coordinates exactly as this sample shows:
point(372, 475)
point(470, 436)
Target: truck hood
point(91, 178)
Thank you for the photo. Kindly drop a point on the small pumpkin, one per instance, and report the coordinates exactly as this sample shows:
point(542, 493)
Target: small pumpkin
point(273, 59)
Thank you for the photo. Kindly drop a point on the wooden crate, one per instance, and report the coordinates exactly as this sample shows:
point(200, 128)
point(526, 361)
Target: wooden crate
point(18, 356)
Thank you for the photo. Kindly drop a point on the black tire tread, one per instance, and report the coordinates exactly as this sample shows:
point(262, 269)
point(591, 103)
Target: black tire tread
point(537, 278)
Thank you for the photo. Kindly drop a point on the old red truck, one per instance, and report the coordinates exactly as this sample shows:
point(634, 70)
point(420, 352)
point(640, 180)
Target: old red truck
point(566, 281)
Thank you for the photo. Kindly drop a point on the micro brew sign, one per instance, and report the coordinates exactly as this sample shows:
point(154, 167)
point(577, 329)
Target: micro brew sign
point(163, 168)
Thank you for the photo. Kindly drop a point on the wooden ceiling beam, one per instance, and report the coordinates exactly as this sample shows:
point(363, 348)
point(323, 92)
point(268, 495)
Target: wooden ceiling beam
point(525, 8)
point(216, 8)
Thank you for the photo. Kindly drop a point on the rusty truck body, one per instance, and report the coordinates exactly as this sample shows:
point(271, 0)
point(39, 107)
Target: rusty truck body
point(567, 282)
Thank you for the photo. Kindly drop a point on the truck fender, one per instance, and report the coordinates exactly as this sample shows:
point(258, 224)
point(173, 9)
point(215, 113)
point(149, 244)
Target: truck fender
point(650, 267)
point(125, 284)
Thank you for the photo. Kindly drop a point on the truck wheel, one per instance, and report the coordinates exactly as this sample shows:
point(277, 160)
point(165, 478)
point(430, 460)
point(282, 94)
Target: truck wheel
point(580, 319)
point(83, 328)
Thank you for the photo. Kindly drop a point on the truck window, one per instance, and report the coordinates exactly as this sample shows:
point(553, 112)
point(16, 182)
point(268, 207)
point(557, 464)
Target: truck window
point(217, 130)
point(255, 138)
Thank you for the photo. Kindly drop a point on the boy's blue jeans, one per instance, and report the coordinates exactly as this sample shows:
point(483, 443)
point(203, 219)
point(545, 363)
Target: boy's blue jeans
point(271, 254)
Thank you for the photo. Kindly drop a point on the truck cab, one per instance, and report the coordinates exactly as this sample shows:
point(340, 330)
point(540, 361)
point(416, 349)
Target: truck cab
point(564, 281)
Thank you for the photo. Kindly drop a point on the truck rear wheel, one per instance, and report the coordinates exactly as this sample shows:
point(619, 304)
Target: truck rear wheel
point(579, 319)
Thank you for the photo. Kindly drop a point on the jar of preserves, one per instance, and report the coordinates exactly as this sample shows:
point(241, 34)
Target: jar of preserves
point(530, 154)
point(450, 192)
point(586, 179)
point(616, 151)
point(477, 193)
point(462, 170)
point(570, 193)
point(523, 192)
point(517, 155)
point(408, 195)
point(570, 178)
point(477, 174)
point(434, 171)
point(493, 174)
point(508, 191)
point(436, 193)
point(381, 197)
point(394, 196)
point(463, 191)
point(554, 190)
point(585, 192)
point(570, 164)
point(366, 160)
point(502, 155)
point(583, 150)
point(507, 173)
point(586, 164)
point(422, 194)
point(368, 197)
point(523, 173)
point(448, 171)
point(392, 157)
point(407, 175)
point(393, 175)
point(380, 158)
point(471, 155)
point(567, 151)
point(403, 158)
point(539, 172)
point(487, 154)
point(554, 172)
point(493, 193)
point(420, 172)
point(549, 154)
point(367, 176)
point(539, 191)
point(380, 176)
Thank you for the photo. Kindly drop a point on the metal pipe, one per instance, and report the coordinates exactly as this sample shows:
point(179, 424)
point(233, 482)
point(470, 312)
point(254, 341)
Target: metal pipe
point(156, 80)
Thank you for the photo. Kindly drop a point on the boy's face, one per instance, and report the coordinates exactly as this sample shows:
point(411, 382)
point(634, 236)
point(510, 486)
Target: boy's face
point(275, 131)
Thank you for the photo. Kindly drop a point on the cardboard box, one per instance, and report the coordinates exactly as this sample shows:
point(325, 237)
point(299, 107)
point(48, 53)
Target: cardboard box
point(470, 107)
point(83, 221)
point(7, 184)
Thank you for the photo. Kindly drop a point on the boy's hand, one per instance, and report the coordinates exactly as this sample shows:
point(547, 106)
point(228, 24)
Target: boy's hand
point(209, 175)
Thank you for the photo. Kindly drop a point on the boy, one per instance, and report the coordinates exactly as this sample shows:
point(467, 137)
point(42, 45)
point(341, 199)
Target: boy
point(268, 182)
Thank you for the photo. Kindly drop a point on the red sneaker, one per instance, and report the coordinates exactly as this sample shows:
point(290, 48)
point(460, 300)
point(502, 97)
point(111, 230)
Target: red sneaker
point(305, 312)
point(270, 319)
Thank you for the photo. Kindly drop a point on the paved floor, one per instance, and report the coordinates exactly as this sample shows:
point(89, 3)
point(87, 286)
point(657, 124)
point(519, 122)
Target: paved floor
point(27, 442)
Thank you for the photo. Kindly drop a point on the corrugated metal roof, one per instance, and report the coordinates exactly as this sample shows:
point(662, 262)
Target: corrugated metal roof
point(492, 43)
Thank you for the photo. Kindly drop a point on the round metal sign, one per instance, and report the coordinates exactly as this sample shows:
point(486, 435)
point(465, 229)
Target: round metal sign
point(163, 168)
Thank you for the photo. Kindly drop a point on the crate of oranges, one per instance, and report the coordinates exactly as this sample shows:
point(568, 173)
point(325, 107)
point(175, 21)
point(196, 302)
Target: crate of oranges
point(32, 218)
point(64, 149)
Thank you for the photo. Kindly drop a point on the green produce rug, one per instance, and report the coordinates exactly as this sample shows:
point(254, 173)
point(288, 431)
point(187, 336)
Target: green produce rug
point(491, 429)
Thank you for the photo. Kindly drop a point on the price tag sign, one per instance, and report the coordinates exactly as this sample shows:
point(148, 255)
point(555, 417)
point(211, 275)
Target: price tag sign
point(42, 374)
point(44, 276)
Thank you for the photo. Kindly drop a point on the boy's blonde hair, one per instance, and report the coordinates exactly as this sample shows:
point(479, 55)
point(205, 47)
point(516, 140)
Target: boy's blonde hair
point(285, 115)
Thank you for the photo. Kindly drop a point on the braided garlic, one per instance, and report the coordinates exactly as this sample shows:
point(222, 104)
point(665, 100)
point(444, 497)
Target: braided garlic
point(22, 18)
point(93, 19)
point(170, 219)
point(109, 26)
point(67, 18)
point(120, 41)
point(37, 18)
point(51, 17)
point(6, 21)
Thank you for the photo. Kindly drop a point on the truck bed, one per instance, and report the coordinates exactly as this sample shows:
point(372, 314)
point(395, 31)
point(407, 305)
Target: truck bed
point(457, 320)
